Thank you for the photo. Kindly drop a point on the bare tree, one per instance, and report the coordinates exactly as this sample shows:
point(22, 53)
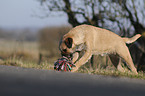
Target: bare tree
point(78, 12)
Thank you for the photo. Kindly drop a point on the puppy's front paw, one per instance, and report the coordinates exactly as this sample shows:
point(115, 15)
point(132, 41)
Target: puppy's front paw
point(74, 69)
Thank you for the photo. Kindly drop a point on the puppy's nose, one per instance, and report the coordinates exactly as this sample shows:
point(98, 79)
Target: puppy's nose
point(64, 50)
point(67, 55)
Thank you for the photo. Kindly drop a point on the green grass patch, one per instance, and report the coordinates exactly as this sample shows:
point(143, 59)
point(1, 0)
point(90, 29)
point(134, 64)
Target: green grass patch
point(112, 72)
point(84, 69)
point(26, 64)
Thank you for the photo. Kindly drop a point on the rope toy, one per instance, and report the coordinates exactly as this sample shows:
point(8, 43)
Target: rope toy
point(64, 64)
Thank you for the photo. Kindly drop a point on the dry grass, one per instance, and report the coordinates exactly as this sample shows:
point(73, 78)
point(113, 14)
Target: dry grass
point(25, 50)
point(22, 54)
point(25, 54)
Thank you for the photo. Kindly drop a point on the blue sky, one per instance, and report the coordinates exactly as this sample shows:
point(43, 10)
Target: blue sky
point(18, 14)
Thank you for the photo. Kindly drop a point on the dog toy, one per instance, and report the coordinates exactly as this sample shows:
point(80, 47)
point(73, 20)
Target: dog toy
point(63, 64)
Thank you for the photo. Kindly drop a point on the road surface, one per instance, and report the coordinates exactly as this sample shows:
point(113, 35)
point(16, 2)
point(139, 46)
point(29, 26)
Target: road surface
point(16, 81)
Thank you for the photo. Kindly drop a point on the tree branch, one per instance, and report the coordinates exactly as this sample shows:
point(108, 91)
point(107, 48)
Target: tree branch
point(71, 16)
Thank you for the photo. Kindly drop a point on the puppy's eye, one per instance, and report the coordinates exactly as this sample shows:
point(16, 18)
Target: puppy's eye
point(64, 50)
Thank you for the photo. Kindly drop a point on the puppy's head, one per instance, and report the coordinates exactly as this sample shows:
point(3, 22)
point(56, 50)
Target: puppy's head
point(66, 46)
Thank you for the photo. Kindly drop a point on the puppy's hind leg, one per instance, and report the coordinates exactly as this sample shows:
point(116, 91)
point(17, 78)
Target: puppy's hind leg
point(125, 54)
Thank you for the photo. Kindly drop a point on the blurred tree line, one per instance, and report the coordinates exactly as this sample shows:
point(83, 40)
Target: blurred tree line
point(26, 34)
point(49, 38)
point(124, 17)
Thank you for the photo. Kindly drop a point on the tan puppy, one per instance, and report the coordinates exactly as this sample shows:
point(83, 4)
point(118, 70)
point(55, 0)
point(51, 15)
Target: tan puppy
point(96, 41)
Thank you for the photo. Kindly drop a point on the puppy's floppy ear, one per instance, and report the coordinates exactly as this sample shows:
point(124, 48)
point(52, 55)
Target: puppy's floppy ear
point(68, 41)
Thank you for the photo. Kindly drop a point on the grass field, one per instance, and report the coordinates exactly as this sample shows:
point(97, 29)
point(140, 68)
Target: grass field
point(25, 54)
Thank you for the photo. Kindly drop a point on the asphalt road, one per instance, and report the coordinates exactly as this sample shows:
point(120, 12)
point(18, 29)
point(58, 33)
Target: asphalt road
point(16, 81)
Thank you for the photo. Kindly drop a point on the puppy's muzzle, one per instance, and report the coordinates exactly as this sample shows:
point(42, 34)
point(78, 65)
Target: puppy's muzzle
point(63, 53)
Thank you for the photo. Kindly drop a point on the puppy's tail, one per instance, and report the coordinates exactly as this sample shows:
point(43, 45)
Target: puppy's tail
point(131, 40)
